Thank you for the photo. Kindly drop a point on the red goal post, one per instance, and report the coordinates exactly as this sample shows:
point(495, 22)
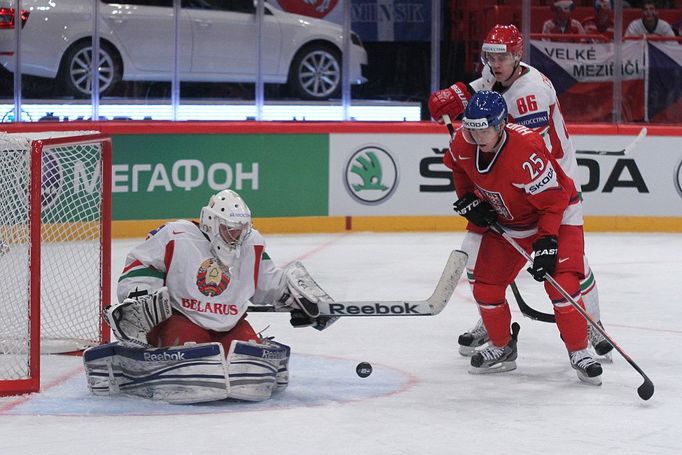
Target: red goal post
point(55, 249)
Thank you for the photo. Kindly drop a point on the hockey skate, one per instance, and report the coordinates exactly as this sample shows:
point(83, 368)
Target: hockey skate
point(494, 359)
point(600, 344)
point(470, 340)
point(588, 369)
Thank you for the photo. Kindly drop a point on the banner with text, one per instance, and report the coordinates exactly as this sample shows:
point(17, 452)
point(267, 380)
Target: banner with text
point(403, 174)
point(172, 176)
point(345, 174)
point(582, 75)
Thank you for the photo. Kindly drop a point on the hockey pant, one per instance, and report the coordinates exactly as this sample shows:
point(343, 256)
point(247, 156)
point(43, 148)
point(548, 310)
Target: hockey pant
point(588, 285)
point(497, 265)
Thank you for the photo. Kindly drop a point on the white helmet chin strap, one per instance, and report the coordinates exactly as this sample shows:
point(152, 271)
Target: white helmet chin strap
point(227, 255)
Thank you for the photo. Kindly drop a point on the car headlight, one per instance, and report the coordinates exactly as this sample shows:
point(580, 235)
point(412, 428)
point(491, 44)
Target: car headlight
point(355, 39)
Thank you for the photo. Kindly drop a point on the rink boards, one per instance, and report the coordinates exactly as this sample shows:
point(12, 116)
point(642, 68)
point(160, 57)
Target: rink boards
point(329, 177)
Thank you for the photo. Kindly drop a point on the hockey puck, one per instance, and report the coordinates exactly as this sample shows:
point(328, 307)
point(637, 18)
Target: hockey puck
point(363, 369)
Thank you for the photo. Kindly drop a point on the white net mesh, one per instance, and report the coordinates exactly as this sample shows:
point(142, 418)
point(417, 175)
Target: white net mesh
point(71, 257)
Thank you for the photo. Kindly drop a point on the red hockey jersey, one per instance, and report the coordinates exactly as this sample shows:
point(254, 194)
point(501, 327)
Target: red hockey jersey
point(522, 181)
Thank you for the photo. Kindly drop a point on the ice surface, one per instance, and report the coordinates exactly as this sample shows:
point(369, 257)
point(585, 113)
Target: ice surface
point(420, 398)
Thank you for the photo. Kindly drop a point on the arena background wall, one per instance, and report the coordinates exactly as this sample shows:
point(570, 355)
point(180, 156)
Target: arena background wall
point(329, 177)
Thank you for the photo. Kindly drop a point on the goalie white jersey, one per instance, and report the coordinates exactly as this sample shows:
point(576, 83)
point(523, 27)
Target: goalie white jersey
point(533, 103)
point(211, 295)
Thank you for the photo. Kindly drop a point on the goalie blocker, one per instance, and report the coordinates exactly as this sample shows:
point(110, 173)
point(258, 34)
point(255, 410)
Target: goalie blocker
point(193, 373)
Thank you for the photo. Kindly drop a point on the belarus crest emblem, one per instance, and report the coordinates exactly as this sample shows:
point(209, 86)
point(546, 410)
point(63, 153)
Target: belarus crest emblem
point(212, 278)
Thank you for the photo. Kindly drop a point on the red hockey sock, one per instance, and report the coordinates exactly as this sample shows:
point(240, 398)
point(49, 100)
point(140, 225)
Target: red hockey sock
point(497, 319)
point(572, 326)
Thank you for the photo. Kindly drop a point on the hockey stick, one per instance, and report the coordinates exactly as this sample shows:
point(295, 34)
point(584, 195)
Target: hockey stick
point(646, 390)
point(527, 310)
point(627, 150)
point(523, 306)
point(429, 307)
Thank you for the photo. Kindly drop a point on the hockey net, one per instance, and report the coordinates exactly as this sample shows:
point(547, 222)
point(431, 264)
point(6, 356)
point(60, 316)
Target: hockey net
point(55, 194)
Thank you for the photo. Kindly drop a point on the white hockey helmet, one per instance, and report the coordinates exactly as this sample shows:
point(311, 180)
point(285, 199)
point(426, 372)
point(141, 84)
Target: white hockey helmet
point(226, 220)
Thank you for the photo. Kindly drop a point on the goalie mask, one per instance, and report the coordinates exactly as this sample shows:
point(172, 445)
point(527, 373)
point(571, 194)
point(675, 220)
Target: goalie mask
point(484, 120)
point(226, 220)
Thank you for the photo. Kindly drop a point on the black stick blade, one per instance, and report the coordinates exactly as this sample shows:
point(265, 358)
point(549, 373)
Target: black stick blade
point(528, 311)
point(646, 390)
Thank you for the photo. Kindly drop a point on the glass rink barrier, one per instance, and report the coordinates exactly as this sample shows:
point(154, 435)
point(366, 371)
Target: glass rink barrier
point(332, 60)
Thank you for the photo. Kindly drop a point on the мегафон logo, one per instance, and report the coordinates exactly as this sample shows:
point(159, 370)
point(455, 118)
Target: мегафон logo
point(371, 175)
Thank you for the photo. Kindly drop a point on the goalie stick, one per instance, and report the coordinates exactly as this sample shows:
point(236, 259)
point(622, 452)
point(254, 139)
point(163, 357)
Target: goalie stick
point(646, 390)
point(627, 150)
point(429, 307)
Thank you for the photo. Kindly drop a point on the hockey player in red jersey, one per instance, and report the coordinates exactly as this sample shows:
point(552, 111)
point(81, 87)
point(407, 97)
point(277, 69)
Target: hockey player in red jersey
point(503, 173)
point(532, 102)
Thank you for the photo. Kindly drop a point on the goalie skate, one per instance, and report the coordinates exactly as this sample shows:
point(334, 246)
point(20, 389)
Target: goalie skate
point(495, 359)
point(586, 367)
point(472, 339)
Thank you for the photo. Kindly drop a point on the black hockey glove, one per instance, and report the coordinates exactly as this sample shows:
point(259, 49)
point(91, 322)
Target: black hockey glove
point(546, 250)
point(300, 319)
point(475, 210)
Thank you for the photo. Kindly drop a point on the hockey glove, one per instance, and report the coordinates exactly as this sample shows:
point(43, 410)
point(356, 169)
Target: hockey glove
point(133, 318)
point(544, 263)
point(451, 101)
point(475, 210)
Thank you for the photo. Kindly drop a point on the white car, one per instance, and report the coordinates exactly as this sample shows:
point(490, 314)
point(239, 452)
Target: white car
point(217, 44)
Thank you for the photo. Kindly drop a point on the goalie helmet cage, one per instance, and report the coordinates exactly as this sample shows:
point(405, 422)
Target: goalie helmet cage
point(55, 241)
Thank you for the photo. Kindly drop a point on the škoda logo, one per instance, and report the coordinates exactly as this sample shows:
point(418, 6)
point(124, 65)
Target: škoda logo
point(371, 175)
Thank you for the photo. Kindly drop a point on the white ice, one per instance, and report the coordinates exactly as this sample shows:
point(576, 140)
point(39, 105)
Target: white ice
point(420, 398)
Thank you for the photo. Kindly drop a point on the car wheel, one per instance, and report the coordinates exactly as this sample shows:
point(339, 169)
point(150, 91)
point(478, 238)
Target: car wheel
point(316, 73)
point(76, 69)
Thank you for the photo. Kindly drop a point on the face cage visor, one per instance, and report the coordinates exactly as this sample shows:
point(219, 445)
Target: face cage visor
point(233, 233)
point(501, 58)
point(498, 53)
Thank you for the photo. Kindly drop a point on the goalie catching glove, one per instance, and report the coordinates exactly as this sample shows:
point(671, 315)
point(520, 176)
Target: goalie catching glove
point(300, 296)
point(133, 318)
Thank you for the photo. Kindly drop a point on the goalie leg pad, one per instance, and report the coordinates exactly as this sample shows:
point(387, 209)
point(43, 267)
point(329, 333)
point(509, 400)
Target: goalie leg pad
point(253, 369)
point(99, 371)
point(282, 377)
point(177, 375)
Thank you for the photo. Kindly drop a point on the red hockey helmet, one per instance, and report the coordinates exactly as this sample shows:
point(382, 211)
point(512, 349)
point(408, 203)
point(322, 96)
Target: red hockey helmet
point(503, 38)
